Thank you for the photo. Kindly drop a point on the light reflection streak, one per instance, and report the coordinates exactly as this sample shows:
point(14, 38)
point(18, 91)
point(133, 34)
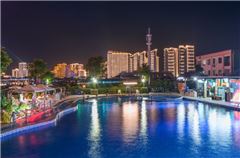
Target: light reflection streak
point(130, 121)
point(180, 121)
point(94, 136)
point(219, 127)
point(143, 131)
point(193, 121)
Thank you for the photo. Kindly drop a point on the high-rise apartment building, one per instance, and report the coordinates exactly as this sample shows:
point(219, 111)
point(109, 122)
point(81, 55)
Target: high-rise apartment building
point(117, 62)
point(179, 60)
point(170, 56)
point(154, 61)
point(186, 59)
point(137, 60)
point(143, 58)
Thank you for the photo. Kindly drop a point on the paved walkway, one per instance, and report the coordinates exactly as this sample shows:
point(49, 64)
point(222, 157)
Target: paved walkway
point(235, 106)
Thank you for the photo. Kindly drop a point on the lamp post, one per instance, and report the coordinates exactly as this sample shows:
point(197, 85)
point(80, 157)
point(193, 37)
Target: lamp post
point(95, 81)
point(143, 80)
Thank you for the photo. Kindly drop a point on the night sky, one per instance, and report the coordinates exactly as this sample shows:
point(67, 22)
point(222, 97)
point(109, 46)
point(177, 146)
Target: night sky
point(74, 31)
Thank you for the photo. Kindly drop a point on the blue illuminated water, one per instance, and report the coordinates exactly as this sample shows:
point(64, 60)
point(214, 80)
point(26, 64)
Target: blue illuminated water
point(121, 128)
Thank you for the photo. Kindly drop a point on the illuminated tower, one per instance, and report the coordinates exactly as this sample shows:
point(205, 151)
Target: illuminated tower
point(149, 43)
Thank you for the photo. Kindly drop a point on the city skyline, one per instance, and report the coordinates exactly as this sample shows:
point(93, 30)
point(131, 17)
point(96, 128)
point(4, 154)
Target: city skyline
point(79, 30)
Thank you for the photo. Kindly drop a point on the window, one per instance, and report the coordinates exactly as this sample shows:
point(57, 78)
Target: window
point(220, 60)
point(204, 62)
point(227, 61)
point(209, 73)
point(220, 71)
point(214, 72)
point(226, 72)
point(213, 61)
point(208, 61)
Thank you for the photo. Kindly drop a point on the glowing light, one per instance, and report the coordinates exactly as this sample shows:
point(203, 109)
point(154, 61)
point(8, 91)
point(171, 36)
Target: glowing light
point(236, 96)
point(195, 78)
point(47, 81)
point(94, 135)
point(94, 80)
point(143, 80)
point(130, 121)
point(181, 78)
point(130, 83)
point(200, 81)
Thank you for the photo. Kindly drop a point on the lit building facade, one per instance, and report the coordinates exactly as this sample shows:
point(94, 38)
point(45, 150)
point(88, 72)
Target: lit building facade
point(117, 62)
point(186, 59)
point(59, 70)
point(179, 60)
point(15, 73)
point(78, 70)
point(154, 61)
point(22, 70)
point(74, 70)
point(143, 58)
point(137, 60)
point(170, 56)
point(222, 63)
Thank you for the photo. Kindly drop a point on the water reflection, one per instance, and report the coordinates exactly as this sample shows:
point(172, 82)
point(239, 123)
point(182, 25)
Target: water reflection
point(143, 130)
point(219, 127)
point(136, 129)
point(180, 121)
point(130, 121)
point(94, 136)
point(236, 126)
point(193, 122)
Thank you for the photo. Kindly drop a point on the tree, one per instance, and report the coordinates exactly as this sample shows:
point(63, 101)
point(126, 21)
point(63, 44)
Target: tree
point(5, 60)
point(199, 70)
point(144, 71)
point(37, 69)
point(95, 67)
point(48, 77)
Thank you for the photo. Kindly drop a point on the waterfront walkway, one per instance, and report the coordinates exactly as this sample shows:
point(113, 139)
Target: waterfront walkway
point(231, 105)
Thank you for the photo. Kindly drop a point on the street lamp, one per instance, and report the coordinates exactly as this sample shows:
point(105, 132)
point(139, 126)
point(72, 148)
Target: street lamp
point(143, 81)
point(94, 80)
point(47, 81)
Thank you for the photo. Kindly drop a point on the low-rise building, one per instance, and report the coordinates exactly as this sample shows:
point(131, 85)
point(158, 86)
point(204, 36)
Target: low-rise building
point(75, 70)
point(221, 63)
